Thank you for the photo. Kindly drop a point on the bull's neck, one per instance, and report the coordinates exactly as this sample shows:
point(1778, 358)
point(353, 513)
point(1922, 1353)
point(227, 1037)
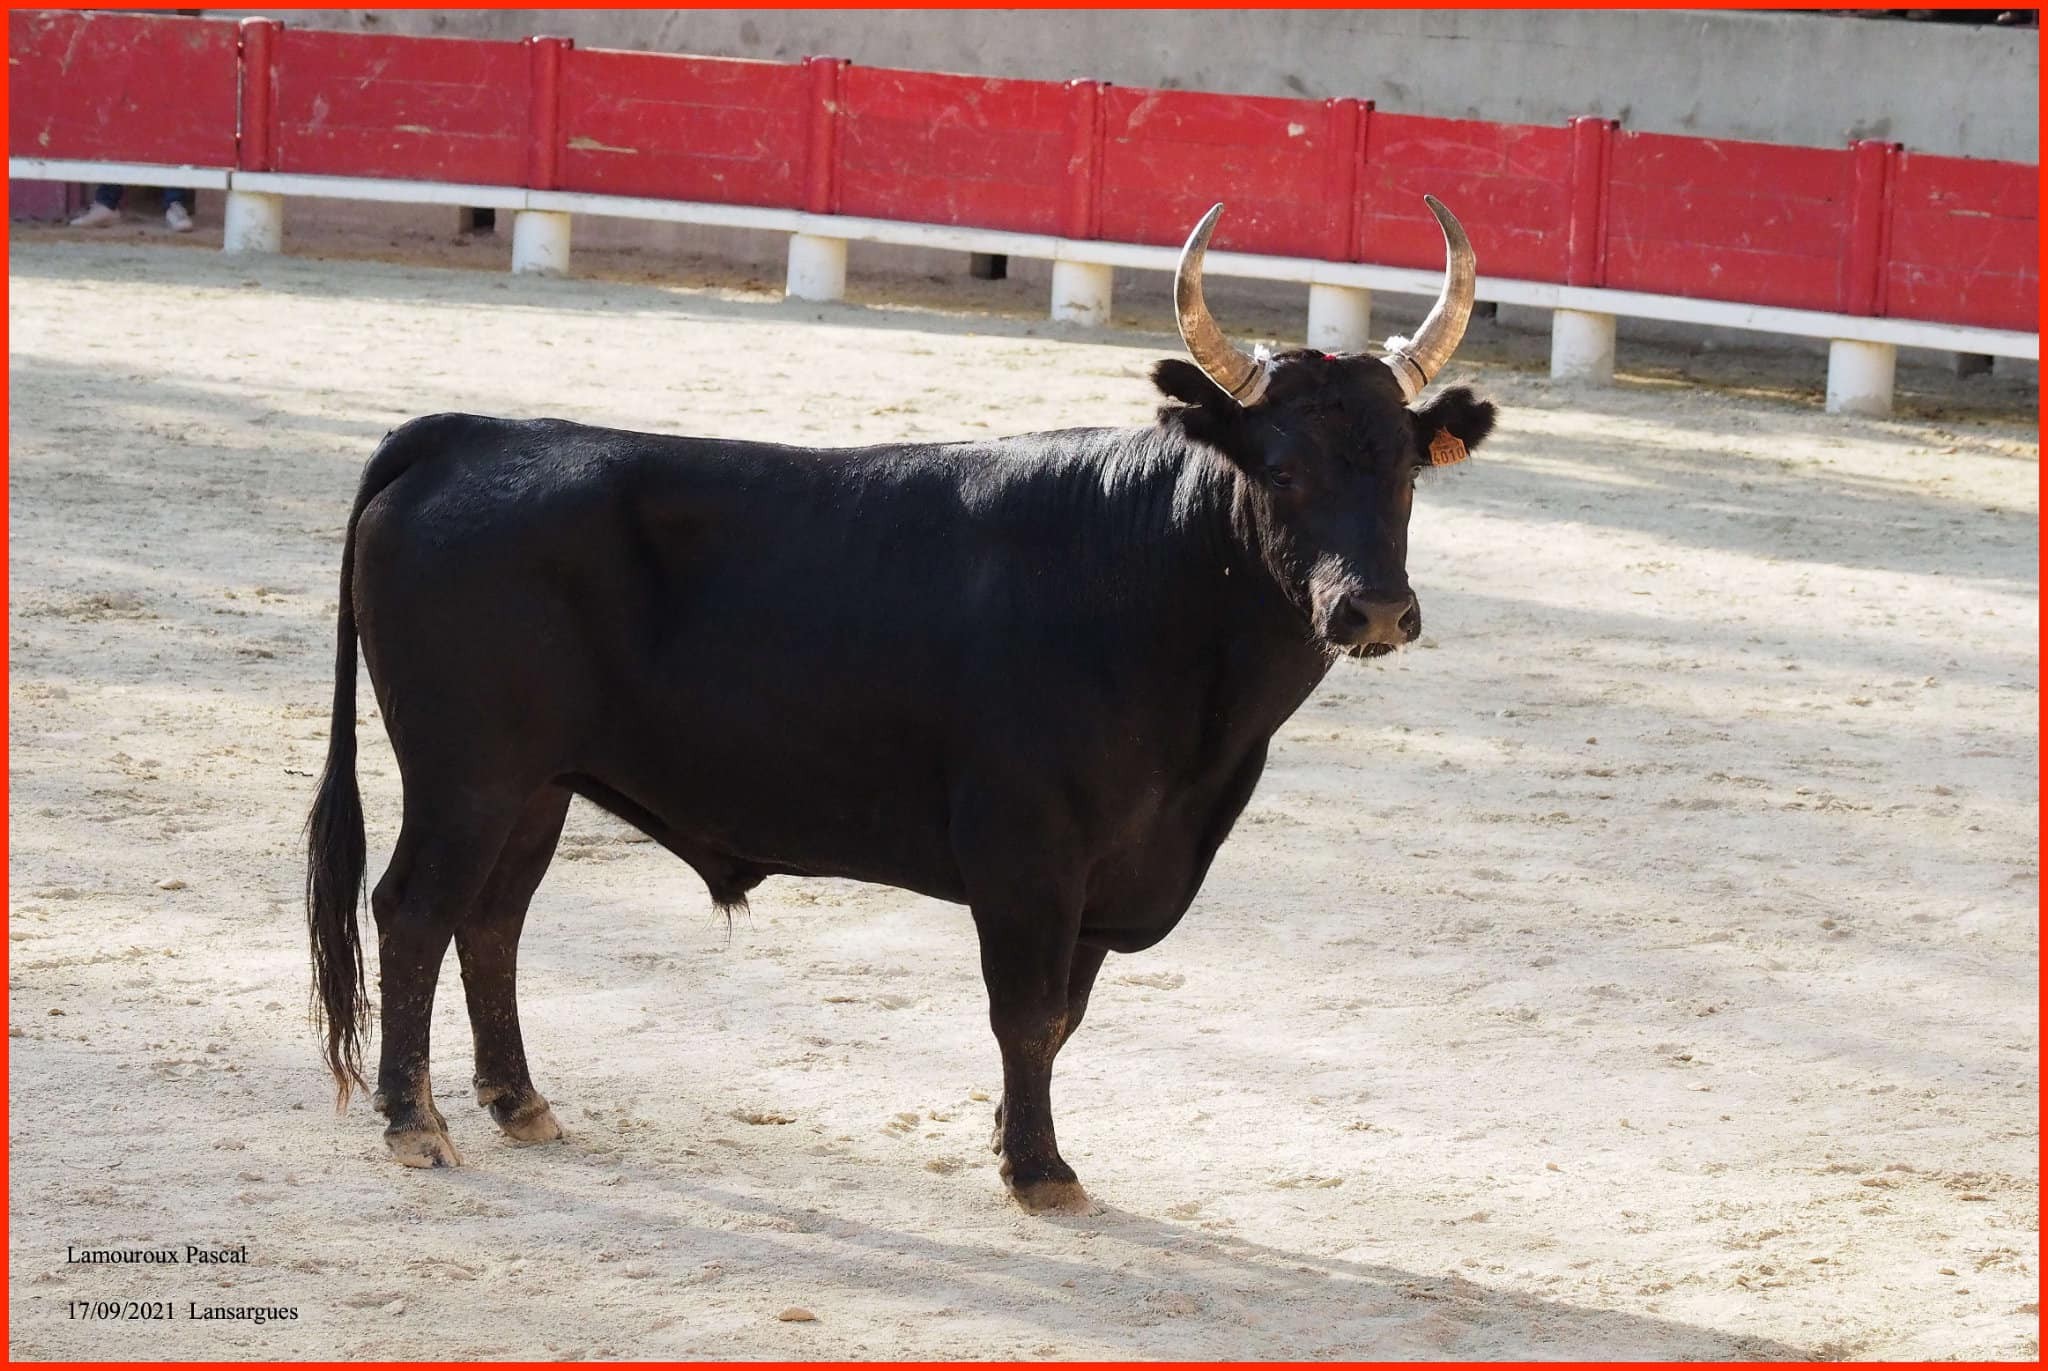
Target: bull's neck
point(1260, 626)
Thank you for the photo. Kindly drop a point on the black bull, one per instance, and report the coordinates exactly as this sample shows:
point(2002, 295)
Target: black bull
point(1034, 675)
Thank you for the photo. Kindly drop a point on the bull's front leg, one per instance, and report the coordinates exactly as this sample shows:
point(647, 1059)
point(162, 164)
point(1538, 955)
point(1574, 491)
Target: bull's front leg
point(1080, 981)
point(1028, 964)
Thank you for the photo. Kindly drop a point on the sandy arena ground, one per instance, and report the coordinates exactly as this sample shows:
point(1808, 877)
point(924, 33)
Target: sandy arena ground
point(1643, 966)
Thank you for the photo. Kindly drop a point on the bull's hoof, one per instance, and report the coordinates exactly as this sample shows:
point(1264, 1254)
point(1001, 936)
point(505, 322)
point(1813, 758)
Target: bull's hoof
point(530, 1121)
point(1053, 1197)
point(1049, 1189)
point(421, 1147)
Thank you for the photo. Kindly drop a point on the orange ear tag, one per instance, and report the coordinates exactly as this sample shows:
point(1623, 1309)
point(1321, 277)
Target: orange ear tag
point(1446, 448)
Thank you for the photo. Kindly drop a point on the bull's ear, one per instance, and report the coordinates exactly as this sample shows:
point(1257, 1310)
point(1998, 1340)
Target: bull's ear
point(1450, 426)
point(1179, 379)
point(1211, 417)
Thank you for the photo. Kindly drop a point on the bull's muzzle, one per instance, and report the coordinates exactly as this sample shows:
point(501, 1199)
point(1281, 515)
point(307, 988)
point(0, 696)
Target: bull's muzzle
point(1368, 627)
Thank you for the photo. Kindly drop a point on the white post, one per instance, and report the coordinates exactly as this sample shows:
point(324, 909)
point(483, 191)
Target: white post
point(1860, 377)
point(540, 241)
point(1581, 346)
point(1339, 318)
point(252, 222)
point(817, 268)
point(1080, 293)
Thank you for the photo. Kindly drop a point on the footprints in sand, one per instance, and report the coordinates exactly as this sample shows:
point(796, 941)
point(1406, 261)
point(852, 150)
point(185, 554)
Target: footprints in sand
point(92, 606)
point(763, 1116)
point(607, 844)
point(828, 973)
point(910, 1121)
point(959, 1130)
point(1155, 980)
point(879, 1001)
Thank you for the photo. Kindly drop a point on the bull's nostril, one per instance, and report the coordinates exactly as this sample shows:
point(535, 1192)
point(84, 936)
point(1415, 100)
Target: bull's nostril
point(1411, 622)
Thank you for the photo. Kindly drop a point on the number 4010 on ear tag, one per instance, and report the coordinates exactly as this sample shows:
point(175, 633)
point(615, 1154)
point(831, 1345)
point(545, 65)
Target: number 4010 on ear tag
point(1446, 448)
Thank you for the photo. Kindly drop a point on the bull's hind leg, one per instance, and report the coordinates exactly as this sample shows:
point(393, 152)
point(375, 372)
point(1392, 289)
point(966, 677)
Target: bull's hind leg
point(488, 944)
point(445, 852)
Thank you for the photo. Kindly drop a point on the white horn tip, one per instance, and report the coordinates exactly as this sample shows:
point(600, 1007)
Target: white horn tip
point(1199, 238)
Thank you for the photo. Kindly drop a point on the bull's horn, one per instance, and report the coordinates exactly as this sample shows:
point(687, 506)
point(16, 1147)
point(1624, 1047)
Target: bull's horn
point(1416, 363)
point(1240, 375)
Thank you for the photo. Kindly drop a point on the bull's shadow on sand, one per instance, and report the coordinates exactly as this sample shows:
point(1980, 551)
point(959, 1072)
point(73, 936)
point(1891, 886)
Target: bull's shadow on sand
point(1119, 1284)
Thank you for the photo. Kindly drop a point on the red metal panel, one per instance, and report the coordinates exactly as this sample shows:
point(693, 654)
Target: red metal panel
point(1169, 155)
point(1715, 271)
point(683, 128)
point(1509, 184)
point(1963, 243)
point(1967, 185)
point(1783, 225)
point(1720, 220)
point(971, 150)
point(1962, 297)
point(414, 109)
point(121, 88)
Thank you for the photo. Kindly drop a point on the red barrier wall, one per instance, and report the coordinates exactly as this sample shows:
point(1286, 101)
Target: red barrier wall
point(968, 150)
point(1722, 220)
point(416, 109)
point(1963, 242)
point(1509, 185)
point(683, 128)
point(1169, 155)
point(121, 88)
point(1864, 230)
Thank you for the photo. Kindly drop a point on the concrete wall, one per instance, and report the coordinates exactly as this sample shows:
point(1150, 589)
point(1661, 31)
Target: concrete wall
point(1772, 77)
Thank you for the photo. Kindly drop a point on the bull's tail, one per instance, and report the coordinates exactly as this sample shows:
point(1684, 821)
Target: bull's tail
point(335, 861)
point(335, 857)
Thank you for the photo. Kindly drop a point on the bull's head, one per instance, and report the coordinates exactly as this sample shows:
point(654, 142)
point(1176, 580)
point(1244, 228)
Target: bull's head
point(1330, 447)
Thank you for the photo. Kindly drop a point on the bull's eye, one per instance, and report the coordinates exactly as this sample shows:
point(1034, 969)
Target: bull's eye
point(1279, 477)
